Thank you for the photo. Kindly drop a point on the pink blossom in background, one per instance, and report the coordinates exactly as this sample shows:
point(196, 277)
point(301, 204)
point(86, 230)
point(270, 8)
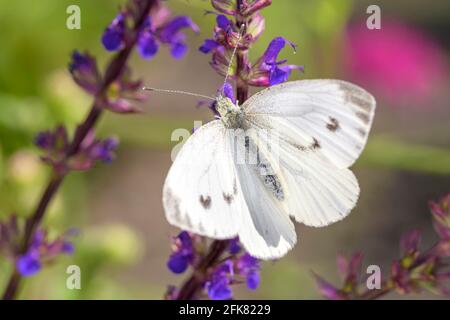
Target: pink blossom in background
point(399, 63)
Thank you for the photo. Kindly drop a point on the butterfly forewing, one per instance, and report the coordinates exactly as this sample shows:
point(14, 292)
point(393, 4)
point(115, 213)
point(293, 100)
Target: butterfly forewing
point(202, 193)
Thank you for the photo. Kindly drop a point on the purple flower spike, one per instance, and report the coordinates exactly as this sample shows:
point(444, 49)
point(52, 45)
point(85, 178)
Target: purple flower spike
point(29, 264)
point(114, 36)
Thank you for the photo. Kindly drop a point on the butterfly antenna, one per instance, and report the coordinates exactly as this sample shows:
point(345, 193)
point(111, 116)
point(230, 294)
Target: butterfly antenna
point(178, 92)
point(241, 29)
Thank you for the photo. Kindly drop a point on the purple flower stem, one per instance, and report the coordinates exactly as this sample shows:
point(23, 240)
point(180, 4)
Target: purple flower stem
point(113, 71)
point(194, 284)
point(241, 58)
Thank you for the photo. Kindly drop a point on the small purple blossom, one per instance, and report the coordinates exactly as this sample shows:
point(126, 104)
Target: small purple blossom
point(268, 71)
point(234, 247)
point(248, 267)
point(104, 150)
point(231, 271)
point(114, 35)
point(93, 150)
point(208, 46)
point(157, 29)
point(168, 33)
point(56, 145)
point(83, 68)
point(29, 264)
point(41, 251)
point(183, 253)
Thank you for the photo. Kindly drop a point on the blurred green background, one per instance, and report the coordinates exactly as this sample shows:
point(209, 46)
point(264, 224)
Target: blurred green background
point(124, 240)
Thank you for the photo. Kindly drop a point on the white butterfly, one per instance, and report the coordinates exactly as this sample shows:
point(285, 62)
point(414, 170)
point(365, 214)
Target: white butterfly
point(322, 127)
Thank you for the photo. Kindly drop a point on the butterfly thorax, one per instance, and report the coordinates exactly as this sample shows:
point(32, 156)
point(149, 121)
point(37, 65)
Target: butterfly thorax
point(231, 114)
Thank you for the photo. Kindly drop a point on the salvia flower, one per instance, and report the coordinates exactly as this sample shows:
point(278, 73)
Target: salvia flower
point(55, 145)
point(182, 253)
point(168, 33)
point(267, 71)
point(83, 68)
point(413, 272)
point(113, 37)
point(93, 150)
point(42, 251)
point(248, 267)
point(236, 269)
point(158, 29)
point(218, 287)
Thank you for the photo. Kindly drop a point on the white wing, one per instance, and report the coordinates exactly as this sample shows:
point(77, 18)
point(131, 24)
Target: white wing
point(321, 127)
point(266, 230)
point(332, 116)
point(202, 192)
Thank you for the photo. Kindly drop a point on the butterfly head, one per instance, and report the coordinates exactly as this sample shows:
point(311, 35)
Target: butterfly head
point(230, 113)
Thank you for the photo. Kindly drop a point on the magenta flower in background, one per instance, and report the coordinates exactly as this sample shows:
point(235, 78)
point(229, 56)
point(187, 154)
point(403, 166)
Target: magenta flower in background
point(398, 62)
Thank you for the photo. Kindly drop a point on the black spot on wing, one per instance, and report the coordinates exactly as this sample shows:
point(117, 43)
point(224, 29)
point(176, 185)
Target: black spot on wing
point(333, 124)
point(315, 144)
point(205, 201)
point(228, 198)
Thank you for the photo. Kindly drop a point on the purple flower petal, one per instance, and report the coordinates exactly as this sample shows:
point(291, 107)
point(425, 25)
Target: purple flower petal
point(274, 48)
point(29, 264)
point(228, 92)
point(68, 248)
point(114, 36)
point(147, 46)
point(223, 22)
point(278, 75)
point(219, 289)
point(178, 263)
point(234, 246)
point(208, 46)
point(170, 31)
point(253, 280)
point(178, 50)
